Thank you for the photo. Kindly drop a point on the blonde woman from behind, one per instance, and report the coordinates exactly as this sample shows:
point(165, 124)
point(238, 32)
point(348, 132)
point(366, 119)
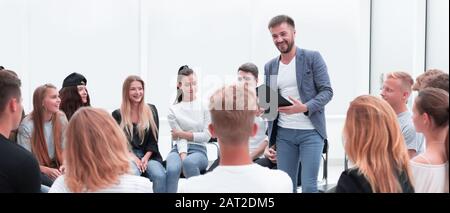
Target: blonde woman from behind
point(96, 156)
point(374, 142)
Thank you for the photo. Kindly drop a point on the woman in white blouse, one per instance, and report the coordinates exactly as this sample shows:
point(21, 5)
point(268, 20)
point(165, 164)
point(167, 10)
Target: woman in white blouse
point(430, 117)
point(188, 119)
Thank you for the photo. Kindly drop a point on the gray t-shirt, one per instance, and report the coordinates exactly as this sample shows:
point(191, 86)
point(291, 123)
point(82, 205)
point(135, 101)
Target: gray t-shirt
point(408, 131)
point(26, 130)
point(254, 142)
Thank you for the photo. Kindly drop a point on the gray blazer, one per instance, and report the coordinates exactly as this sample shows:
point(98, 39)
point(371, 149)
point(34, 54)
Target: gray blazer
point(313, 85)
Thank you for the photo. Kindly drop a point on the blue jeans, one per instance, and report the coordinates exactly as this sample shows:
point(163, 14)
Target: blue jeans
point(44, 188)
point(155, 172)
point(195, 162)
point(295, 146)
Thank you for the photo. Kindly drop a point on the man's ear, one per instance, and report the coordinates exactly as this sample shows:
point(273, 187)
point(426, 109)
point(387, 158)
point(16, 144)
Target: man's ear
point(212, 131)
point(426, 119)
point(13, 104)
point(406, 95)
point(255, 128)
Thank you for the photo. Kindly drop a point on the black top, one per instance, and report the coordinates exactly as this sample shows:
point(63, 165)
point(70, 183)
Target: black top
point(150, 142)
point(352, 181)
point(19, 170)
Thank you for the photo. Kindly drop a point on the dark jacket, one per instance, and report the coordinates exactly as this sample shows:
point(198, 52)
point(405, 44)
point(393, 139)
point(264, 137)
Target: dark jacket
point(352, 181)
point(150, 141)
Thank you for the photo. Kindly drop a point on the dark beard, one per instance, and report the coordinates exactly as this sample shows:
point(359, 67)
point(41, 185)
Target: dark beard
point(288, 49)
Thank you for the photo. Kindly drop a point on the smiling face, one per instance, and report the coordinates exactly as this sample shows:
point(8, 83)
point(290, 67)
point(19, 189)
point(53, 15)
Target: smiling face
point(283, 36)
point(393, 92)
point(136, 92)
point(51, 100)
point(188, 85)
point(83, 93)
point(246, 77)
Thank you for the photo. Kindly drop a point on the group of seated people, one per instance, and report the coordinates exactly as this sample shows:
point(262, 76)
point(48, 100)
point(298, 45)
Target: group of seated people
point(65, 145)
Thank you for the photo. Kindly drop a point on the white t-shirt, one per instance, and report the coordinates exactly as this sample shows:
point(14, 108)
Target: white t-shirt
point(251, 178)
point(127, 184)
point(260, 136)
point(193, 117)
point(430, 178)
point(287, 83)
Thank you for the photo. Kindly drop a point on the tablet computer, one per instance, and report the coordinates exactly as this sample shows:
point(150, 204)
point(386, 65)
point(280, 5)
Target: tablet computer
point(264, 93)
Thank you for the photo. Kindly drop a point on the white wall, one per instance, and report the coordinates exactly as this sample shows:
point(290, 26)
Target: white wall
point(398, 38)
point(437, 33)
point(49, 39)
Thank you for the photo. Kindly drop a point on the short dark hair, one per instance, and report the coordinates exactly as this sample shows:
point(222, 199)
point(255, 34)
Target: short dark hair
point(438, 81)
point(9, 87)
point(277, 20)
point(250, 68)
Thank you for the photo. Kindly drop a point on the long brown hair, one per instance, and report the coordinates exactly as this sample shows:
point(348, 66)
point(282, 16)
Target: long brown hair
point(71, 100)
point(38, 142)
point(146, 119)
point(434, 102)
point(96, 152)
point(374, 142)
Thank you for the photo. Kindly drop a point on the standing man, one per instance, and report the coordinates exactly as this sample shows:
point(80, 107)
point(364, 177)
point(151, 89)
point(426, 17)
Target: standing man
point(19, 170)
point(298, 130)
point(396, 91)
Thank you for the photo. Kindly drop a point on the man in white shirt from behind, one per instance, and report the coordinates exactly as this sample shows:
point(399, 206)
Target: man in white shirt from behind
point(233, 110)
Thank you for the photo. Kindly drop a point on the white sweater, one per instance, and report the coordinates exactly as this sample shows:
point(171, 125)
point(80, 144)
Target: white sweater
point(192, 117)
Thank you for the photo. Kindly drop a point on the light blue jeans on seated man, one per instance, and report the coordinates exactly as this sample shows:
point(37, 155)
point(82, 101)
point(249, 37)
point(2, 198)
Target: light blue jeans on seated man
point(294, 146)
point(195, 162)
point(44, 188)
point(155, 172)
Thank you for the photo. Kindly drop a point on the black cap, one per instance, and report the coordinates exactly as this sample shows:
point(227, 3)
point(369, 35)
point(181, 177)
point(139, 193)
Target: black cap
point(74, 79)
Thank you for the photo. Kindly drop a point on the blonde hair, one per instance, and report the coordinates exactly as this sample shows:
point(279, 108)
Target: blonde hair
point(374, 142)
point(96, 152)
point(38, 142)
point(146, 119)
point(404, 77)
point(233, 110)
